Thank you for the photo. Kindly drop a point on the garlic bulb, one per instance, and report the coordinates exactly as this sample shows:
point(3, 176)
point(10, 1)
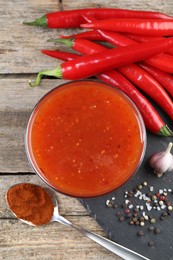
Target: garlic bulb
point(162, 161)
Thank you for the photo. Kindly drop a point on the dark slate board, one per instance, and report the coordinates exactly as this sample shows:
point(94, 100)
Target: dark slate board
point(126, 234)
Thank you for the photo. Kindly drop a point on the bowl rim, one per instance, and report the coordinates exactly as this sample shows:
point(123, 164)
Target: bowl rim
point(140, 123)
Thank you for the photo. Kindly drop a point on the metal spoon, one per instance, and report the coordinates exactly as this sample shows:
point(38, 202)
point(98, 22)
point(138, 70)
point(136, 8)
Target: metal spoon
point(115, 248)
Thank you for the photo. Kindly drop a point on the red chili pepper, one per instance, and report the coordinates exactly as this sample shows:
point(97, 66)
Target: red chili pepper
point(89, 35)
point(161, 61)
point(73, 18)
point(149, 85)
point(154, 27)
point(93, 64)
point(152, 119)
point(146, 38)
point(83, 46)
point(60, 54)
point(134, 73)
point(112, 37)
point(164, 78)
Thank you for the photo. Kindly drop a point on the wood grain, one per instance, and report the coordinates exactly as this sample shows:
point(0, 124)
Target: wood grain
point(20, 45)
point(52, 242)
point(154, 5)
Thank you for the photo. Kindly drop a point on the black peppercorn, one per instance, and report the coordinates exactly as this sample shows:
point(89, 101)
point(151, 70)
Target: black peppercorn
point(135, 219)
point(151, 243)
point(157, 231)
point(151, 228)
point(140, 233)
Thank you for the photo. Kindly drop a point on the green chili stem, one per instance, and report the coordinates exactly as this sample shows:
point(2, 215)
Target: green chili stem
point(68, 42)
point(41, 21)
point(57, 73)
point(165, 131)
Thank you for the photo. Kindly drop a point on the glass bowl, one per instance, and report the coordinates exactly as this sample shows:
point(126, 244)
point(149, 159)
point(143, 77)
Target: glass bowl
point(85, 138)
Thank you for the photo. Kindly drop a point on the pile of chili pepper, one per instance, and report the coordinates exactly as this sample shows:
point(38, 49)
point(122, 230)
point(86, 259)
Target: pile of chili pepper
point(140, 58)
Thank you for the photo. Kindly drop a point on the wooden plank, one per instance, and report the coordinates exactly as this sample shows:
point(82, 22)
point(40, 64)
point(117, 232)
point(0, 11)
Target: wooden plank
point(20, 45)
point(51, 242)
point(154, 5)
point(17, 100)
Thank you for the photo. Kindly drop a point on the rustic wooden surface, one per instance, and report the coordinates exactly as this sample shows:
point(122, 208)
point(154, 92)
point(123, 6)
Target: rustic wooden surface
point(20, 61)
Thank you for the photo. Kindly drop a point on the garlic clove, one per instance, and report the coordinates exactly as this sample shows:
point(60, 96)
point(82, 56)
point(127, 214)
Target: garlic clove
point(154, 158)
point(162, 161)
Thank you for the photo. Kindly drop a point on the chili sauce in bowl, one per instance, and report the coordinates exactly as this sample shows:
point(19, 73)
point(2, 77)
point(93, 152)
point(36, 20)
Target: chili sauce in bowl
point(85, 138)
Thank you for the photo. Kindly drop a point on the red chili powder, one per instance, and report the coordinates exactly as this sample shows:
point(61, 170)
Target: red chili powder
point(30, 202)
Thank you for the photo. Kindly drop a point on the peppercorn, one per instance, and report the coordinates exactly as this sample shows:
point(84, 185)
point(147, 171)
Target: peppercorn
point(142, 223)
point(157, 231)
point(139, 187)
point(151, 243)
point(146, 217)
point(135, 219)
point(161, 202)
point(135, 214)
point(121, 218)
point(153, 197)
point(170, 208)
point(162, 198)
point(151, 228)
point(142, 218)
point(148, 194)
point(140, 233)
point(137, 223)
point(164, 214)
point(167, 202)
point(153, 220)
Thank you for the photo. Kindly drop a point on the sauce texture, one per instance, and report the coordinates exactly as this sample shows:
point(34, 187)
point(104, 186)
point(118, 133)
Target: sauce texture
point(85, 139)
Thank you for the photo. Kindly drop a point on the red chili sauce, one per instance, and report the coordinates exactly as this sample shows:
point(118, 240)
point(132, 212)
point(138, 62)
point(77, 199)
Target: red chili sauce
point(85, 139)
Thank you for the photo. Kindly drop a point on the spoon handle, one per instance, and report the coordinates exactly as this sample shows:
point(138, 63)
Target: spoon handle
point(119, 250)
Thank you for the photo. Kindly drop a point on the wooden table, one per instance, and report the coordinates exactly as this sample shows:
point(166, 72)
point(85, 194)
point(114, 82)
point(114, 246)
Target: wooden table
point(20, 61)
